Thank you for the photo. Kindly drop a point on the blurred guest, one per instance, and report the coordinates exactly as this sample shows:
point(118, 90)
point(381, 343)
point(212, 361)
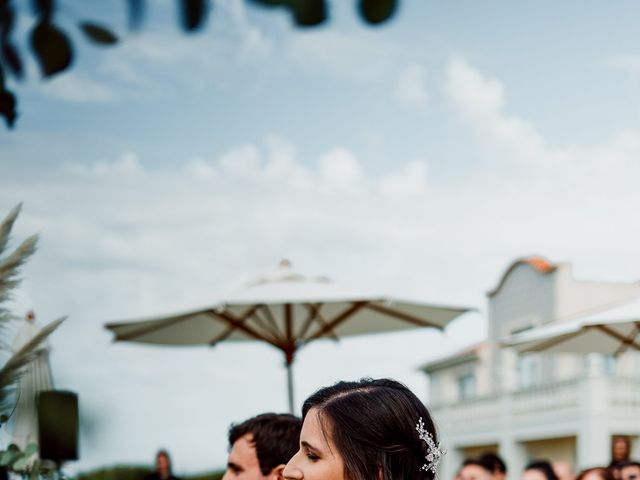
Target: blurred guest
point(597, 473)
point(615, 469)
point(563, 470)
point(496, 465)
point(539, 470)
point(261, 446)
point(475, 470)
point(163, 468)
point(629, 471)
point(620, 450)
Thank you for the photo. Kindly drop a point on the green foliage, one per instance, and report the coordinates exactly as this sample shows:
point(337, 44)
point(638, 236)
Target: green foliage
point(207, 476)
point(53, 49)
point(128, 472)
point(121, 472)
point(13, 459)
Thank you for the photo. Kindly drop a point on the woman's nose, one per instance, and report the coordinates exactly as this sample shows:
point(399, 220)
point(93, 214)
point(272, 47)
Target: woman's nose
point(291, 471)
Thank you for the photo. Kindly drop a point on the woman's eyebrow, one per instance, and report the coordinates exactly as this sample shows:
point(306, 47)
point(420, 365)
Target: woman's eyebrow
point(306, 444)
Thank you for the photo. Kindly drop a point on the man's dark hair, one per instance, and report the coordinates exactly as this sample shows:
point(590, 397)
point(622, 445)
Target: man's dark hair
point(543, 466)
point(494, 462)
point(373, 426)
point(274, 435)
point(477, 463)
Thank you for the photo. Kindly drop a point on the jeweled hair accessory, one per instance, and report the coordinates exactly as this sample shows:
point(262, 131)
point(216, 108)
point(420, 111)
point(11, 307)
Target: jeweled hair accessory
point(434, 452)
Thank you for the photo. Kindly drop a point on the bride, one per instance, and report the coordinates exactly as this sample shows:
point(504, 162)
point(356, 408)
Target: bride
point(365, 430)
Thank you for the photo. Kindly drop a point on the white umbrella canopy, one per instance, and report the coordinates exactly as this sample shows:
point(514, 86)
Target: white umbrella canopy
point(287, 310)
point(610, 332)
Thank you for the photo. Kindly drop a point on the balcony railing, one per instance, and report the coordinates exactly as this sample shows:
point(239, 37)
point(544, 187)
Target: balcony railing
point(554, 398)
point(540, 404)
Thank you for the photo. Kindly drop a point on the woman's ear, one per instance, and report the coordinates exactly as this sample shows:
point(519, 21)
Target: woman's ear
point(277, 473)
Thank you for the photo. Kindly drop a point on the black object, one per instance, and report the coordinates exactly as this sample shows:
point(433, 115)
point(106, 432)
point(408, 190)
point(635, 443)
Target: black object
point(58, 425)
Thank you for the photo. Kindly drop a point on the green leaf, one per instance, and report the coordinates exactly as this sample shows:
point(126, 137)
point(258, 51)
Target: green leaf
point(8, 107)
point(135, 10)
point(51, 47)
point(42, 8)
point(31, 449)
point(6, 457)
point(270, 3)
point(12, 59)
point(377, 11)
point(194, 14)
point(308, 13)
point(20, 463)
point(98, 34)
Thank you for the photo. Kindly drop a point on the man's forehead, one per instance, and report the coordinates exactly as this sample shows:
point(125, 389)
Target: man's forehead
point(243, 451)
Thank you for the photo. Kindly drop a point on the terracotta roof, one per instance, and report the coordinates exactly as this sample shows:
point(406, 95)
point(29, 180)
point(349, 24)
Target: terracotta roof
point(468, 353)
point(540, 263)
point(537, 262)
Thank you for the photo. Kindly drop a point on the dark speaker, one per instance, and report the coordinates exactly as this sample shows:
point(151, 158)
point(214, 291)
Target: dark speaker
point(58, 425)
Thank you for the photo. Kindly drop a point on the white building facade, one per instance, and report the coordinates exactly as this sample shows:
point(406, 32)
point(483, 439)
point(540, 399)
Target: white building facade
point(561, 407)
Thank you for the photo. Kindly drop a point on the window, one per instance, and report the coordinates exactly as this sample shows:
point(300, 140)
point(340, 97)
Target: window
point(466, 386)
point(609, 363)
point(526, 371)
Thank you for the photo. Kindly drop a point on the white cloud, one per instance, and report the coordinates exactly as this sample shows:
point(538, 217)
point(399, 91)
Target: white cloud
point(127, 165)
point(121, 241)
point(480, 100)
point(343, 55)
point(411, 90)
point(629, 63)
point(410, 180)
point(341, 171)
point(78, 88)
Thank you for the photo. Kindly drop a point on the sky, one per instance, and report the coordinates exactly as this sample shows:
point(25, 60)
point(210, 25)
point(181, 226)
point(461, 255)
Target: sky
point(419, 158)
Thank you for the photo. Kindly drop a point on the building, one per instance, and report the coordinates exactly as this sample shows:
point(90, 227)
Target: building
point(557, 406)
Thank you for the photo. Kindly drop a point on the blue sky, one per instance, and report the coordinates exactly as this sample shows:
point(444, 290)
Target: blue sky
point(418, 158)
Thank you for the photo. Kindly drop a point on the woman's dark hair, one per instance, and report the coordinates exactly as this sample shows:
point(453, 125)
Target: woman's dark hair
point(373, 423)
point(164, 453)
point(543, 466)
point(604, 473)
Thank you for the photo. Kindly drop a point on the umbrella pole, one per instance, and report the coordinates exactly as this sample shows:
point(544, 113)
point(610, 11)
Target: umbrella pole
point(289, 365)
point(290, 386)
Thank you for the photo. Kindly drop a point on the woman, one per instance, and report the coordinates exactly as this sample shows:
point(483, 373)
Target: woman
point(597, 473)
point(365, 430)
point(539, 470)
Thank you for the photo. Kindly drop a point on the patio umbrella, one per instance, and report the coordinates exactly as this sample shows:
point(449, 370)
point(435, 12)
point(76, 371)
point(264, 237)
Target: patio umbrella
point(287, 310)
point(609, 332)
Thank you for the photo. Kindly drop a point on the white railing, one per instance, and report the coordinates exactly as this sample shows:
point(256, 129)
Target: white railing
point(473, 414)
point(624, 394)
point(551, 398)
point(541, 404)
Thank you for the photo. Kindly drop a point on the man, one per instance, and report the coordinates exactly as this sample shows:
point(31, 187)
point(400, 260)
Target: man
point(474, 470)
point(629, 471)
point(495, 464)
point(261, 446)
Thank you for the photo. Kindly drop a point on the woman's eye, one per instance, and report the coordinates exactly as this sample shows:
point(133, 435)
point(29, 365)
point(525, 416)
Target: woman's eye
point(312, 456)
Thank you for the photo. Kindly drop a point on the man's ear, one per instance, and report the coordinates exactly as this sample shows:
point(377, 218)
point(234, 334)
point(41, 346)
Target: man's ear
point(277, 473)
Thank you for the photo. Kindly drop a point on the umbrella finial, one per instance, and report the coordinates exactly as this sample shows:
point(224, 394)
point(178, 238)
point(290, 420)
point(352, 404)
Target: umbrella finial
point(285, 264)
point(30, 316)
